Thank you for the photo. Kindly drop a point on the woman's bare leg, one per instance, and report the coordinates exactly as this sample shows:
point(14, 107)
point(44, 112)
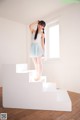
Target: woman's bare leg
point(39, 67)
point(35, 64)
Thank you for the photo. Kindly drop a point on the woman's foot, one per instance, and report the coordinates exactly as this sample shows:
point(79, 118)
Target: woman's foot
point(37, 78)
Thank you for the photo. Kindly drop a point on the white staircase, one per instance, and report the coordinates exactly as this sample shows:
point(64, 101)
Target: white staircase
point(20, 90)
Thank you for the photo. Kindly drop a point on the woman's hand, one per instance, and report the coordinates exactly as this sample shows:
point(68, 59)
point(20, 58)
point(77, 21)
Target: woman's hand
point(32, 25)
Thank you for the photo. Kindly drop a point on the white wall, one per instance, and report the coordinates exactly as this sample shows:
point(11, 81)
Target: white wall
point(13, 43)
point(66, 71)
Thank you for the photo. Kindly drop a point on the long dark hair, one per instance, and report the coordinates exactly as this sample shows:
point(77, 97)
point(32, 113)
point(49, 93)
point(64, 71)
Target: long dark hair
point(36, 33)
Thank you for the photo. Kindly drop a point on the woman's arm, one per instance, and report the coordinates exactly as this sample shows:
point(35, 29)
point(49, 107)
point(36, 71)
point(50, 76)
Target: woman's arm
point(31, 26)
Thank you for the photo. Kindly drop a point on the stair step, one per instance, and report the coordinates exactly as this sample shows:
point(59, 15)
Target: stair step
point(50, 101)
point(23, 92)
point(32, 74)
point(49, 87)
point(42, 79)
point(21, 68)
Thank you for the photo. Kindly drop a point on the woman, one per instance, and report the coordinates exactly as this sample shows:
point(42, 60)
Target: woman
point(37, 46)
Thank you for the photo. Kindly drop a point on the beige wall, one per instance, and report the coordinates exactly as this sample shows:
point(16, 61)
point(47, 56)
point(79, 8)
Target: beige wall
point(66, 71)
point(13, 42)
point(15, 46)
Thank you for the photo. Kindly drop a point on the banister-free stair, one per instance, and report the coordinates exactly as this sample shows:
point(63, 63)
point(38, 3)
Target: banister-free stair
point(20, 90)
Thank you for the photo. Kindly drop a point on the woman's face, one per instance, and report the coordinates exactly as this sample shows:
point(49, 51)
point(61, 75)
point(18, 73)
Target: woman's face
point(40, 27)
